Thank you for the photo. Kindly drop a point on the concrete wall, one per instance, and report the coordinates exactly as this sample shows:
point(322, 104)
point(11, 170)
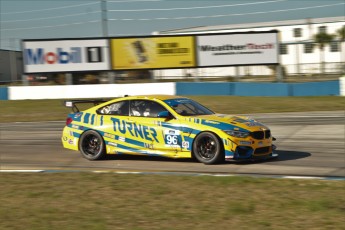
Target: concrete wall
point(260, 89)
point(88, 91)
point(334, 88)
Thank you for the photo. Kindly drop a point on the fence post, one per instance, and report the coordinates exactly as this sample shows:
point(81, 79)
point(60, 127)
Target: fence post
point(69, 79)
point(279, 73)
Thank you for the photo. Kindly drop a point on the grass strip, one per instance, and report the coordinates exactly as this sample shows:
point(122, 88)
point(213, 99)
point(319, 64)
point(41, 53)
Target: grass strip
point(114, 201)
point(53, 110)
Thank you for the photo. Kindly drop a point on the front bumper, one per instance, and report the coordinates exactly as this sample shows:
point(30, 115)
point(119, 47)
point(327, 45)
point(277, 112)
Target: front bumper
point(258, 150)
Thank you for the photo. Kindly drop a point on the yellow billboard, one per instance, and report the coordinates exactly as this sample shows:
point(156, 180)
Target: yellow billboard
point(152, 52)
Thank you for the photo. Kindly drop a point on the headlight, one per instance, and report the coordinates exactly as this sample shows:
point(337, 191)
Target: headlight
point(238, 134)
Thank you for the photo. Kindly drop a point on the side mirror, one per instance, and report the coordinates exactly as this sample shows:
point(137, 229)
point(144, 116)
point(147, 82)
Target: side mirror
point(164, 114)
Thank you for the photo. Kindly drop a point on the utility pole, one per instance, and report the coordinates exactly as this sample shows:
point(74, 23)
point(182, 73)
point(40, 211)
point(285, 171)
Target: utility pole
point(104, 18)
point(106, 33)
point(13, 60)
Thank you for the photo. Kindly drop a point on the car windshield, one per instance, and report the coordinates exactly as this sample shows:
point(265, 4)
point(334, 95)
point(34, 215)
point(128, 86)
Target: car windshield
point(187, 107)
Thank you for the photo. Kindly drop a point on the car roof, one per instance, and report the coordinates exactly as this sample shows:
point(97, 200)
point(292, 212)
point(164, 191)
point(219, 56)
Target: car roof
point(159, 97)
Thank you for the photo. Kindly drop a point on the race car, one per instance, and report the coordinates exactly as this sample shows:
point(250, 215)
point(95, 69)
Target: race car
point(166, 126)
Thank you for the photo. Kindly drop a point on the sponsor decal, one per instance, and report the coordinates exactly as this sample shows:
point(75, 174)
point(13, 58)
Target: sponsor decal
point(237, 49)
point(231, 47)
point(153, 52)
point(70, 141)
point(134, 130)
point(75, 126)
point(109, 135)
point(112, 144)
point(148, 146)
point(172, 132)
point(185, 144)
point(40, 56)
point(212, 122)
point(122, 139)
point(64, 138)
point(71, 55)
point(65, 55)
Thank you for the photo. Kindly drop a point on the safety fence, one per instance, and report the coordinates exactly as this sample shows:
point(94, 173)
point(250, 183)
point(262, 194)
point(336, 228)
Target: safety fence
point(333, 88)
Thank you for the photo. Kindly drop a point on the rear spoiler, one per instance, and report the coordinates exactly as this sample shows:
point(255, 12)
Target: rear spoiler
point(73, 103)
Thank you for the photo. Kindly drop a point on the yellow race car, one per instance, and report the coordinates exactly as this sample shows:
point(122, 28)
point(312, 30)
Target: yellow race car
point(167, 126)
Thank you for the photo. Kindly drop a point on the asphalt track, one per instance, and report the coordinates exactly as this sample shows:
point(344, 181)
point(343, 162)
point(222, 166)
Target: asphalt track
point(309, 144)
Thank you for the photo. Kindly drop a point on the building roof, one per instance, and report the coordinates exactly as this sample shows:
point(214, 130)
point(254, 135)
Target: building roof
point(255, 25)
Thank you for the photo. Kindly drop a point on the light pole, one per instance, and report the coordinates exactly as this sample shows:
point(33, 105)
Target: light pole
point(105, 32)
point(13, 60)
point(104, 18)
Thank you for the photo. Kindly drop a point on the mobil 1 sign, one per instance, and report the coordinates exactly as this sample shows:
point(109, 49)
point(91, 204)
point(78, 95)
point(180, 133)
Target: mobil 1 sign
point(237, 49)
point(45, 56)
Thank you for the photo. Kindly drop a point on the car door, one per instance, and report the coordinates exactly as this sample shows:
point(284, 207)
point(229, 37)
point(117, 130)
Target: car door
point(112, 124)
point(159, 135)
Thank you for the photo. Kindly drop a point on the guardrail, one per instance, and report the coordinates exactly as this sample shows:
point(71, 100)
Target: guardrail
point(334, 88)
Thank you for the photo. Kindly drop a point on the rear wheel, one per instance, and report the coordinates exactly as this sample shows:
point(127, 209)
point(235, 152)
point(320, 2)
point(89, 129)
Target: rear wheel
point(208, 149)
point(91, 145)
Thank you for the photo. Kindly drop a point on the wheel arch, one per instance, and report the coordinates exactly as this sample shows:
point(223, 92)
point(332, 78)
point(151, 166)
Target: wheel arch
point(86, 130)
point(94, 146)
point(214, 133)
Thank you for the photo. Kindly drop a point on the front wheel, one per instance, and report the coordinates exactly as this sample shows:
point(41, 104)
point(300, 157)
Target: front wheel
point(91, 145)
point(207, 148)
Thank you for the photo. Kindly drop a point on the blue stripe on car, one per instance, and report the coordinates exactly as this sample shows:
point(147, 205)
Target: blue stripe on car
point(86, 118)
point(222, 125)
point(92, 119)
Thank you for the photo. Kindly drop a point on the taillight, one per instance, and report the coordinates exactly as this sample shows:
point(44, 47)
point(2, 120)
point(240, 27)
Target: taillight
point(69, 121)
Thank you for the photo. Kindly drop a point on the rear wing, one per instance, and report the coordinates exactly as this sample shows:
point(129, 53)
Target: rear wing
point(73, 103)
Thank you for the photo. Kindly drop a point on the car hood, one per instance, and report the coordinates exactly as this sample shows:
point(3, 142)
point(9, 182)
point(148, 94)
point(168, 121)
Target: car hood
point(230, 122)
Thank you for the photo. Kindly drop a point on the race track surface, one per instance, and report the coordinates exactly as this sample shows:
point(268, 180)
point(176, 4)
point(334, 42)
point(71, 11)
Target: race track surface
point(309, 144)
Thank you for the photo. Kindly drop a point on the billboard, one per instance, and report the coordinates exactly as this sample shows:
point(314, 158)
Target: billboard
point(237, 49)
point(65, 55)
point(152, 52)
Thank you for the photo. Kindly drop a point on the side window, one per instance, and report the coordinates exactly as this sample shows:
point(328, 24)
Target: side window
point(119, 108)
point(335, 46)
point(145, 108)
point(283, 49)
point(308, 48)
point(297, 32)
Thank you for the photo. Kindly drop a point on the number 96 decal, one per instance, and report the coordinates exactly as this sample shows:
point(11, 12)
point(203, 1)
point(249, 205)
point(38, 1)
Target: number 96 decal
point(172, 137)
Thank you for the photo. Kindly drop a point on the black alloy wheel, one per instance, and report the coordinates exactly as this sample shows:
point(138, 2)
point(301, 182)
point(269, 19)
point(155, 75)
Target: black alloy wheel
point(207, 148)
point(91, 145)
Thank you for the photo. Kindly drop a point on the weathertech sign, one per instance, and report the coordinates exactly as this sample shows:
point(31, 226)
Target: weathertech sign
point(237, 49)
point(65, 55)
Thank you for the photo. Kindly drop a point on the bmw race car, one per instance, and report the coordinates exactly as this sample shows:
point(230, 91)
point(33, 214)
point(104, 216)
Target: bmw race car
point(167, 126)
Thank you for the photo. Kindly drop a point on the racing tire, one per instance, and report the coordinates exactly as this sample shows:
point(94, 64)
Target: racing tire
point(91, 145)
point(208, 149)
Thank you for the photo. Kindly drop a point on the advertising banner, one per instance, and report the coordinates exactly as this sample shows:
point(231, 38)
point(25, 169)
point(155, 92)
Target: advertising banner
point(152, 52)
point(65, 55)
point(237, 49)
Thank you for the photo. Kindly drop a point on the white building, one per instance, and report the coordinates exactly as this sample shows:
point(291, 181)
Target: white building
point(299, 53)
